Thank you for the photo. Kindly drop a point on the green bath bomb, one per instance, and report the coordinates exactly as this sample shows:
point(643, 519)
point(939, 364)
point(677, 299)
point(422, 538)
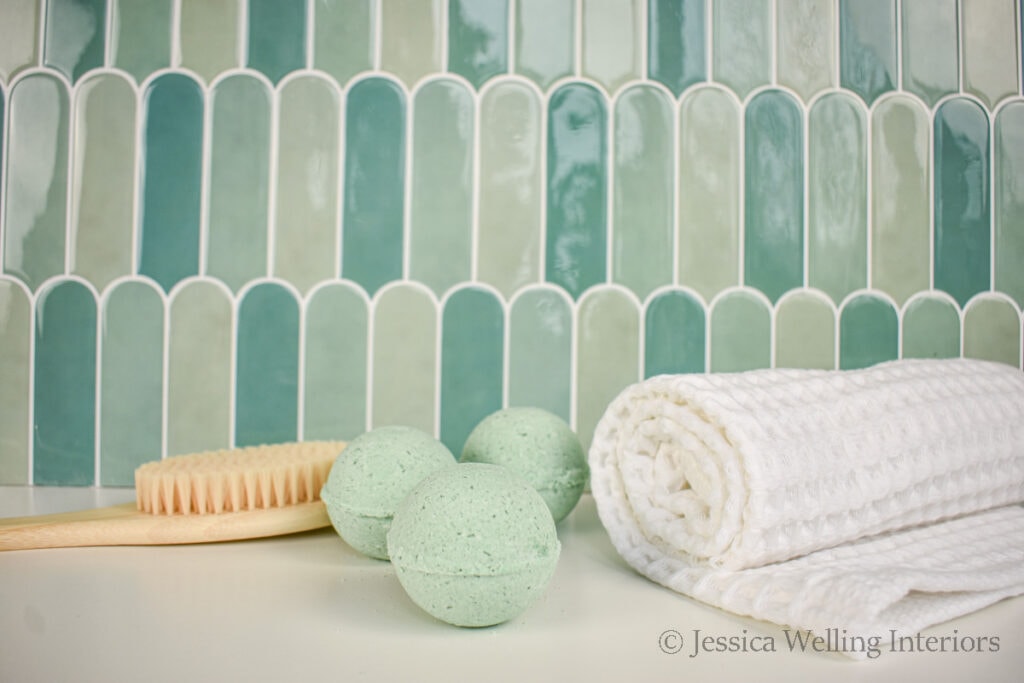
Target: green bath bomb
point(371, 477)
point(474, 545)
point(540, 446)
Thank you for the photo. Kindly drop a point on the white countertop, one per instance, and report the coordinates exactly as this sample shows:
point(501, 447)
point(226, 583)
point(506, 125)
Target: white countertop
point(307, 607)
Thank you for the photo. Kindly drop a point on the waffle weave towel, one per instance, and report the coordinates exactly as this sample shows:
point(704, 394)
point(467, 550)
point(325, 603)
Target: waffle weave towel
point(869, 500)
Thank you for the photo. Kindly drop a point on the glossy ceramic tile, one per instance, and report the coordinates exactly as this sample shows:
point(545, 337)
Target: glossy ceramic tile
point(20, 47)
point(344, 37)
point(545, 39)
point(806, 45)
point(478, 39)
point(676, 44)
point(675, 334)
point(990, 45)
point(868, 332)
point(540, 343)
point(992, 330)
point(931, 328)
point(276, 40)
point(805, 335)
point(140, 41)
point(75, 36)
point(412, 38)
point(610, 51)
point(209, 36)
point(742, 44)
point(1008, 200)
point(930, 69)
point(15, 381)
point(867, 47)
point(741, 332)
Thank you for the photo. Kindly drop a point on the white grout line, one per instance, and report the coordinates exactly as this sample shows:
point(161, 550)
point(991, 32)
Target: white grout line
point(310, 34)
point(709, 40)
point(175, 38)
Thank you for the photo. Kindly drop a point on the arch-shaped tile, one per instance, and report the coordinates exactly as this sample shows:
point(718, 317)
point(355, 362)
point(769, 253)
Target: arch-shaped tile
point(709, 192)
point(992, 330)
point(276, 42)
point(675, 332)
point(577, 188)
point(676, 44)
point(545, 39)
point(837, 231)
point(35, 195)
point(643, 229)
point(806, 45)
point(472, 362)
point(15, 387)
point(141, 40)
point(21, 34)
point(441, 211)
point(511, 185)
point(336, 362)
point(989, 43)
point(931, 65)
point(412, 38)
point(931, 328)
point(805, 332)
point(868, 332)
point(611, 41)
point(64, 381)
point(741, 44)
point(478, 39)
point(540, 351)
point(372, 224)
point(1008, 149)
point(867, 47)
point(741, 332)
point(75, 36)
point(344, 36)
point(200, 19)
point(101, 231)
point(962, 207)
point(131, 380)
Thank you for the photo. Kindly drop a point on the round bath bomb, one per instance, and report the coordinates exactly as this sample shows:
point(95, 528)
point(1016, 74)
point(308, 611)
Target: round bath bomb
point(371, 477)
point(539, 446)
point(473, 545)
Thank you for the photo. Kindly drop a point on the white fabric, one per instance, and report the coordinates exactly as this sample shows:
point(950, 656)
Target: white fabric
point(867, 500)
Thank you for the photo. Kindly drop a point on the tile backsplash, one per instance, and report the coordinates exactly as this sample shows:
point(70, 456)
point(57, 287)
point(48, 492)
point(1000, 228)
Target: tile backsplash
point(226, 222)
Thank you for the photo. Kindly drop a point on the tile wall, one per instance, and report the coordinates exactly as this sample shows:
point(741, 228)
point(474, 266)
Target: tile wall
point(225, 222)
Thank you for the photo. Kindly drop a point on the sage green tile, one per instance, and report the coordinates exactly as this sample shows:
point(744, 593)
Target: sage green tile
point(607, 353)
point(867, 47)
point(64, 381)
point(1008, 201)
point(806, 45)
point(131, 380)
point(741, 44)
point(545, 39)
point(900, 214)
point(238, 179)
point(511, 186)
point(305, 243)
point(140, 41)
point(20, 47)
point(404, 337)
point(210, 36)
point(75, 36)
point(35, 216)
point(15, 392)
point(962, 207)
point(336, 363)
point(412, 38)
point(805, 331)
point(478, 39)
point(472, 362)
point(931, 328)
point(774, 202)
point(837, 230)
point(675, 331)
point(199, 360)
point(612, 41)
point(643, 229)
point(709, 194)
point(344, 37)
point(540, 332)
point(868, 332)
point(741, 332)
point(931, 65)
point(100, 233)
point(992, 330)
point(676, 43)
point(277, 37)
point(577, 188)
point(441, 204)
point(990, 44)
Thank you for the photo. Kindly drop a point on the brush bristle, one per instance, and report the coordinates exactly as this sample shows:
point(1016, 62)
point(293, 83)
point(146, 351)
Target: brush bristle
point(234, 480)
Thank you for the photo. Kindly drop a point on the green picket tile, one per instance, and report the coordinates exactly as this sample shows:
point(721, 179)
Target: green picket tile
point(336, 361)
point(962, 206)
point(75, 35)
point(236, 238)
point(277, 37)
point(141, 40)
point(806, 45)
point(64, 380)
point(676, 54)
point(103, 179)
point(741, 44)
point(867, 47)
point(35, 216)
point(612, 41)
point(837, 231)
point(868, 332)
point(15, 393)
point(709, 193)
point(131, 381)
point(305, 245)
point(344, 37)
point(478, 39)
point(441, 203)
point(374, 183)
point(540, 331)
point(201, 19)
point(992, 330)
point(472, 362)
point(989, 44)
point(511, 185)
point(674, 334)
point(773, 248)
point(741, 332)
point(545, 39)
point(931, 328)
point(171, 179)
point(20, 46)
point(577, 179)
point(643, 230)
point(1008, 200)
point(805, 332)
point(412, 38)
point(900, 214)
point(931, 67)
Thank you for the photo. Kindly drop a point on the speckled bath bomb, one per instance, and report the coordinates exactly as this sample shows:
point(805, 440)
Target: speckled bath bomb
point(538, 445)
point(371, 477)
point(474, 545)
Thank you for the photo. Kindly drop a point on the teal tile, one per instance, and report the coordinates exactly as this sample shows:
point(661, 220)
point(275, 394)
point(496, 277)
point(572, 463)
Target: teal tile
point(805, 46)
point(374, 183)
point(675, 328)
point(20, 47)
point(1008, 201)
point(75, 35)
point(131, 381)
point(540, 350)
point(545, 39)
point(774, 205)
point(867, 47)
point(992, 330)
point(478, 39)
point(267, 376)
point(64, 407)
point(15, 395)
point(611, 41)
point(962, 206)
point(141, 40)
point(931, 328)
point(171, 179)
point(805, 331)
point(277, 37)
point(577, 188)
point(931, 67)
point(868, 332)
point(676, 43)
point(472, 362)
point(344, 37)
point(741, 332)
point(741, 44)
